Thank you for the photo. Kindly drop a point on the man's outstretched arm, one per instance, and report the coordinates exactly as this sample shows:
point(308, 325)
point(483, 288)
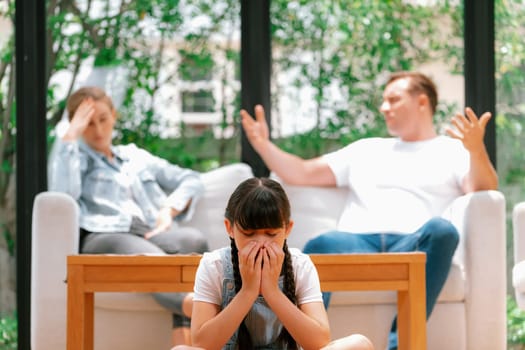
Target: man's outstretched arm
point(290, 168)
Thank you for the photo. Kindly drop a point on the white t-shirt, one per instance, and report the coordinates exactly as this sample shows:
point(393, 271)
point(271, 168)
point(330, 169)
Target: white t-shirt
point(210, 275)
point(397, 186)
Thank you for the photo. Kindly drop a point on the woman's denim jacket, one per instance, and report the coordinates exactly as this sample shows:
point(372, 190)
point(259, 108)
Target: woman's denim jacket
point(105, 190)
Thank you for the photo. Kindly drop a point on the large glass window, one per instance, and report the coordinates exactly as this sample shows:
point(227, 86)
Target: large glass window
point(510, 108)
point(170, 67)
point(200, 101)
point(331, 60)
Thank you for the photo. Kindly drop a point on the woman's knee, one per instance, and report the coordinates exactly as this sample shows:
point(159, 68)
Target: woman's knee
point(182, 240)
point(196, 241)
point(193, 241)
point(118, 243)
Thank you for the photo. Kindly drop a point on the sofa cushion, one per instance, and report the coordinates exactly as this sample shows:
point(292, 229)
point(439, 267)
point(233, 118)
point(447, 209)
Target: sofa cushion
point(209, 212)
point(315, 210)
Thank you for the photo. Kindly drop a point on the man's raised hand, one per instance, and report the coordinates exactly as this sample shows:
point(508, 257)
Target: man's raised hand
point(256, 129)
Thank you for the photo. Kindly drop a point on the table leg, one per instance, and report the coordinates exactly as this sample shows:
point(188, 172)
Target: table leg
point(75, 308)
point(403, 320)
point(417, 295)
point(411, 308)
point(89, 321)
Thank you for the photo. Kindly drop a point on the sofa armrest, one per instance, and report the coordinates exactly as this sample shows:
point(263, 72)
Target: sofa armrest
point(518, 228)
point(55, 234)
point(480, 219)
point(518, 270)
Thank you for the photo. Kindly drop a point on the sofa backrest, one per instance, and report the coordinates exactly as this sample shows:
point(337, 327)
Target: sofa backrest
point(209, 212)
point(314, 209)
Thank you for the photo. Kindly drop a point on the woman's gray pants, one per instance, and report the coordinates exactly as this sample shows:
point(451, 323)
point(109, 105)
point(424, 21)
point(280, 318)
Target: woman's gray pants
point(177, 240)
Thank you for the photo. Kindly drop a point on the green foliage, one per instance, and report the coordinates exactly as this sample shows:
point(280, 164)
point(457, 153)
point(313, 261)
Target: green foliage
point(198, 152)
point(510, 89)
point(515, 325)
point(8, 333)
point(196, 65)
point(509, 129)
point(9, 238)
point(351, 46)
point(319, 44)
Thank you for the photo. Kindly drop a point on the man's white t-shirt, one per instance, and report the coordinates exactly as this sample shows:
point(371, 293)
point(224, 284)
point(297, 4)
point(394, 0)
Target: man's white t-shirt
point(397, 186)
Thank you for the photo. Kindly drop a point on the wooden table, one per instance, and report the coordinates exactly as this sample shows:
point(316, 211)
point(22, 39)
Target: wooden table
point(403, 272)
point(87, 274)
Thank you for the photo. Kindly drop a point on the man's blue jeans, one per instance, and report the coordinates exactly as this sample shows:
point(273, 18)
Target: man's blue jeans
point(438, 238)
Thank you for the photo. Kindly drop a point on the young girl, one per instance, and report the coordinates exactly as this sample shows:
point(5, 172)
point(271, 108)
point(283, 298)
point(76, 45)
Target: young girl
point(258, 293)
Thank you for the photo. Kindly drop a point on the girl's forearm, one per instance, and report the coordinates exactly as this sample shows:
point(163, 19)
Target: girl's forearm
point(307, 331)
point(214, 333)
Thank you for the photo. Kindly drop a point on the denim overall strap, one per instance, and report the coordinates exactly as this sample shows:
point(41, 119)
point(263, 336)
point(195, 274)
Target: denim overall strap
point(228, 290)
point(264, 322)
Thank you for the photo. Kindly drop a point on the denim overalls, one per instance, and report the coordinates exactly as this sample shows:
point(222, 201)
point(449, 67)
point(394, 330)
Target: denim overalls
point(261, 321)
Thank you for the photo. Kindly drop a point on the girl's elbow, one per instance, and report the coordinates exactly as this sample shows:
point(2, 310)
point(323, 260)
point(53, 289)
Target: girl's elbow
point(320, 341)
point(203, 342)
point(198, 344)
point(204, 346)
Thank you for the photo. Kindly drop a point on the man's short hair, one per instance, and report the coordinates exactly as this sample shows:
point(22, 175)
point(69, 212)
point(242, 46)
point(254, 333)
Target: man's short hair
point(419, 83)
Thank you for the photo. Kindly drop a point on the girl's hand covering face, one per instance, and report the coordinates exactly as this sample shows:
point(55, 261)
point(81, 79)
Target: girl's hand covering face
point(250, 262)
point(273, 258)
point(260, 251)
point(260, 265)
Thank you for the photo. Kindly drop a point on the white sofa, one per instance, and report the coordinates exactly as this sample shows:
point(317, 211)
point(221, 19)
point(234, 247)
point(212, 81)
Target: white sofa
point(518, 271)
point(470, 314)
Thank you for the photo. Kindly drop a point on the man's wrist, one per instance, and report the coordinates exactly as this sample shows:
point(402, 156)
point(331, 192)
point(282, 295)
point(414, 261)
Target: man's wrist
point(264, 147)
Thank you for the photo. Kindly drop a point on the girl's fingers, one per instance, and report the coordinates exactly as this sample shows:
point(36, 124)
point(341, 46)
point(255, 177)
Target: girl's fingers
point(262, 263)
point(275, 257)
point(249, 254)
point(272, 257)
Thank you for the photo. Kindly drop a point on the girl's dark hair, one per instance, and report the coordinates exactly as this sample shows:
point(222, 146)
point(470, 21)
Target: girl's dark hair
point(259, 203)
